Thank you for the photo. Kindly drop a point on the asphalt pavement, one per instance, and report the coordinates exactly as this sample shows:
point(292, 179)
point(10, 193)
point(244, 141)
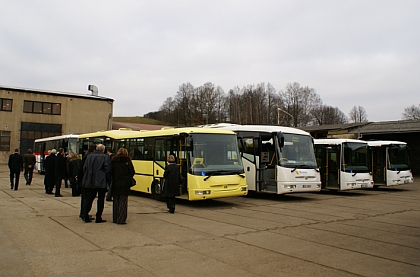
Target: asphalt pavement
point(373, 232)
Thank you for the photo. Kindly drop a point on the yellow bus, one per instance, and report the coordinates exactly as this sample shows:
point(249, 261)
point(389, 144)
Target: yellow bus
point(208, 159)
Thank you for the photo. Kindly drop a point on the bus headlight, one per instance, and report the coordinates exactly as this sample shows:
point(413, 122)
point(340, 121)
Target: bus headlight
point(289, 186)
point(243, 189)
point(202, 192)
point(351, 184)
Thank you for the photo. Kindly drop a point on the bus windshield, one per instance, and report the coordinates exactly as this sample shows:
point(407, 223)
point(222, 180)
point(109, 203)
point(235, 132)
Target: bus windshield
point(72, 145)
point(215, 153)
point(298, 152)
point(398, 158)
point(355, 158)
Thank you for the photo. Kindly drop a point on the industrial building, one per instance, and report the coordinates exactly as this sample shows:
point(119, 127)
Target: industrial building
point(28, 114)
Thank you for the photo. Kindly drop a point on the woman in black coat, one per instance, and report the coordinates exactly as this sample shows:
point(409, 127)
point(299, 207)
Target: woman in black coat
point(173, 180)
point(122, 175)
point(49, 167)
point(74, 168)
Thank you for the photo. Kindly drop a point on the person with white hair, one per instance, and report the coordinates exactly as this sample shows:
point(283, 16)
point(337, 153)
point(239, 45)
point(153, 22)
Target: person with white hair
point(96, 176)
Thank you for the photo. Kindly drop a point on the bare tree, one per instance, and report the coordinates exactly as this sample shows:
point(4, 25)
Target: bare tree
point(167, 111)
point(183, 101)
point(297, 102)
point(358, 114)
point(324, 115)
point(412, 112)
point(253, 104)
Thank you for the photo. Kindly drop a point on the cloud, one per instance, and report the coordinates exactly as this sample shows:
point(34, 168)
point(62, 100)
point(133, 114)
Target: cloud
point(139, 52)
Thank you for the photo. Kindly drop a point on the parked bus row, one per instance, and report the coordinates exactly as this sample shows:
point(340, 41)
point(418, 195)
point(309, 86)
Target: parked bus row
point(215, 159)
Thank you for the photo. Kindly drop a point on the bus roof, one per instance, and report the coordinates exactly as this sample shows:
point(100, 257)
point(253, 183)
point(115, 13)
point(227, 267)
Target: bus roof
point(57, 137)
point(337, 141)
point(120, 134)
point(109, 133)
point(258, 128)
point(385, 142)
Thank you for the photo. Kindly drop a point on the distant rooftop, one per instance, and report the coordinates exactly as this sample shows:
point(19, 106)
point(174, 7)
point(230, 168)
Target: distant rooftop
point(399, 126)
point(136, 126)
point(48, 92)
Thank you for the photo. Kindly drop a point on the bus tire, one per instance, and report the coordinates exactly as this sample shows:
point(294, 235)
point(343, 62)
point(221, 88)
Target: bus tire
point(157, 190)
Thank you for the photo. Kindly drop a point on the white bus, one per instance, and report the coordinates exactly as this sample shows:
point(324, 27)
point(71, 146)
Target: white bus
point(276, 159)
point(389, 162)
point(344, 164)
point(41, 147)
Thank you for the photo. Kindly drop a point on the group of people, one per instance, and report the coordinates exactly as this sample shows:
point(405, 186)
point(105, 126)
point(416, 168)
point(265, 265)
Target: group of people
point(17, 164)
point(56, 170)
point(101, 172)
point(91, 177)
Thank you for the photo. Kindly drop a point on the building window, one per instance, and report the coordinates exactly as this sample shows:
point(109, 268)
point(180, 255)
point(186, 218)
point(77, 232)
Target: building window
point(56, 109)
point(4, 140)
point(6, 104)
point(41, 107)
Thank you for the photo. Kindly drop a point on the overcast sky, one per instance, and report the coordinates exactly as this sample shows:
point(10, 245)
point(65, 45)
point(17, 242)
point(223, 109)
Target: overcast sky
point(364, 53)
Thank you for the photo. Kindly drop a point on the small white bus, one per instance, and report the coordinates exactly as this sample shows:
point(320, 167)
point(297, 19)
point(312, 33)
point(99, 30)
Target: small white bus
point(389, 162)
point(41, 147)
point(344, 164)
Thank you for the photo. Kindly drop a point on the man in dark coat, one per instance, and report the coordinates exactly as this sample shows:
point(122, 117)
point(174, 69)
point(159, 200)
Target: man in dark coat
point(91, 149)
point(96, 176)
point(60, 170)
point(49, 167)
point(16, 166)
point(29, 161)
point(173, 180)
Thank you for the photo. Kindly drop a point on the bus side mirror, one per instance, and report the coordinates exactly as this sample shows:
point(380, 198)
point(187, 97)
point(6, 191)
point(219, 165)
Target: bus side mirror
point(241, 142)
point(280, 138)
point(189, 143)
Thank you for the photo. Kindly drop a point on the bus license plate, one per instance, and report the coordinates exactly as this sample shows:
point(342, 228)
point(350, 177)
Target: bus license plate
point(363, 185)
point(405, 181)
point(306, 186)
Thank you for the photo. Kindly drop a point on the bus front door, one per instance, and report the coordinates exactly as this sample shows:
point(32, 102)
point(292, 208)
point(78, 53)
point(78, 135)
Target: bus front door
point(267, 168)
point(332, 168)
point(378, 165)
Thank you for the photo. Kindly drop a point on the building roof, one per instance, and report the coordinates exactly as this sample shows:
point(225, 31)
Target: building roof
point(58, 93)
point(136, 126)
point(398, 126)
point(332, 127)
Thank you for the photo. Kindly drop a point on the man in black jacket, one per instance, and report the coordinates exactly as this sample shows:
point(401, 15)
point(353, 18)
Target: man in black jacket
point(49, 167)
point(96, 176)
point(91, 149)
point(29, 161)
point(16, 166)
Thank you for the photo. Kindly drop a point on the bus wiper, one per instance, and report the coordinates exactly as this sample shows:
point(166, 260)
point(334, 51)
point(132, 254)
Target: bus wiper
point(296, 167)
point(354, 174)
point(226, 173)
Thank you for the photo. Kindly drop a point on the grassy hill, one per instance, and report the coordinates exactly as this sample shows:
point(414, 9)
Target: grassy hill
point(137, 119)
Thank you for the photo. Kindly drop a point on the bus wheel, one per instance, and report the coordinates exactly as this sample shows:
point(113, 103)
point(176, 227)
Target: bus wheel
point(157, 190)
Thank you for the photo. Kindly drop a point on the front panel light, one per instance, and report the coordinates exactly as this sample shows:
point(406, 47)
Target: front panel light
point(202, 192)
point(289, 186)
